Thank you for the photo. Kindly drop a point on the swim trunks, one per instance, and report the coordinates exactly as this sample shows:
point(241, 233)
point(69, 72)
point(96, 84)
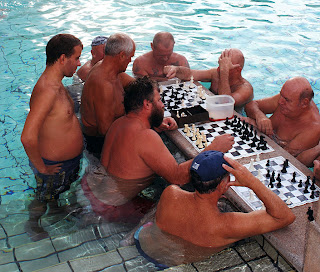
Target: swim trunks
point(49, 187)
point(142, 253)
point(130, 212)
point(94, 144)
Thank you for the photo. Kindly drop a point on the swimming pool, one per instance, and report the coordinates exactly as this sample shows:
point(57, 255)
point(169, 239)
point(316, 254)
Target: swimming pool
point(279, 39)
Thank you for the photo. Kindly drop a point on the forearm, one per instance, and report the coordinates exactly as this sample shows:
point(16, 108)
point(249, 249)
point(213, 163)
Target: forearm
point(275, 206)
point(223, 85)
point(181, 175)
point(184, 73)
point(308, 156)
point(33, 153)
point(253, 111)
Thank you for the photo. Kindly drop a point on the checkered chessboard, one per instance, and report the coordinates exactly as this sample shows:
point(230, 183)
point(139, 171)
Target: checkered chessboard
point(290, 192)
point(180, 95)
point(241, 147)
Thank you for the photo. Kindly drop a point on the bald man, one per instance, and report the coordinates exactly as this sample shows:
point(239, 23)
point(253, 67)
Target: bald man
point(152, 63)
point(295, 120)
point(225, 79)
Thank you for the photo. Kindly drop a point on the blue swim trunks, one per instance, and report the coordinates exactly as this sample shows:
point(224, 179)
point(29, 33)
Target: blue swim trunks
point(142, 253)
point(49, 187)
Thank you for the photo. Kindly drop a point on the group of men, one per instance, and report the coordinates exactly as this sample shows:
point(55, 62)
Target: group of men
point(120, 120)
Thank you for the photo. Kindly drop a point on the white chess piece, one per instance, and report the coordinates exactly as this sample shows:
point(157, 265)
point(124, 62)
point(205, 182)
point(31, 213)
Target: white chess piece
point(259, 176)
point(189, 132)
point(200, 142)
point(185, 128)
point(288, 201)
point(258, 157)
point(161, 89)
point(178, 116)
point(251, 197)
point(251, 167)
point(182, 103)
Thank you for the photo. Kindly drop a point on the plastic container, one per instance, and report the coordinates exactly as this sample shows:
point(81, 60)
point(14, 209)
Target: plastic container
point(220, 107)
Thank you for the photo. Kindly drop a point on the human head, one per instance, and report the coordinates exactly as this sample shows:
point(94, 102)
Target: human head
point(61, 44)
point(119, 42)
point(162, 47)
point(98, 45)
point(295, 96)
point(140, 91)
point(237, 57)
point(207, 172)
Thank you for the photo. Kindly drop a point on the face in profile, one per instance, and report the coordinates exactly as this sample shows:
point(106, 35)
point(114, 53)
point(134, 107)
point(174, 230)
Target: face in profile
point(157, 112)
point(73, 61)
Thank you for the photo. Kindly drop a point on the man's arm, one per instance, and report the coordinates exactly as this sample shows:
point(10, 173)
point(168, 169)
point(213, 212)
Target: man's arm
point(157, 156)
point(42, 101)
point(257, 110)
point(125, 79)
point(185, 73)
point(316, 169)
point(138, 69)
point(307, 156)
point(276, 215)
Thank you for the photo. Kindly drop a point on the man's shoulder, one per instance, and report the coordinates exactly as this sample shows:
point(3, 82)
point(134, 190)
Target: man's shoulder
point(146, 57)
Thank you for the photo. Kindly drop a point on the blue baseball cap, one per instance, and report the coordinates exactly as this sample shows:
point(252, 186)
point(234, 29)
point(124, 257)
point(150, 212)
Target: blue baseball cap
point(208, 165)
point(99, 40)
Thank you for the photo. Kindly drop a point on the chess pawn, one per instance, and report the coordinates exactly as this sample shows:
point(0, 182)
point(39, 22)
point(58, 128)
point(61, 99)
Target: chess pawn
point(183, 105)
point(288, 201)
point(188, 132)
point(193, 126)
point(251, 167)
point(186, 127)
point(204, 137)
point(178, 116)
point(198, 139)
point(258, 157)
point(194, 135)
point(200, 142)
point(259, 176)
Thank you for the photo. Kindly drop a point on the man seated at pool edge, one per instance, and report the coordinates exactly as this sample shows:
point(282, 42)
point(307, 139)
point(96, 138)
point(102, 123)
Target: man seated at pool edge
point(176, 236)
point(295, 120)
point(226, 79)
point(133, 154)
point(152, 63)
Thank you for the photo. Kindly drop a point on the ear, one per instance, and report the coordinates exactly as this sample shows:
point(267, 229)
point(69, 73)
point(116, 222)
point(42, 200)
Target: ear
point(304, 102)
point(62, 58)
point(147, 104)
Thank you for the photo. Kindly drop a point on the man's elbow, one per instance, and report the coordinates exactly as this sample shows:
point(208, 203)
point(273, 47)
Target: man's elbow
point(288, 219)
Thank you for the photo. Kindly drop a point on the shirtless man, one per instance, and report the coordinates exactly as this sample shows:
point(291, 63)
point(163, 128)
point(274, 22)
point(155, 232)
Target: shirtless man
point(133, 153)
point(226, 79)
point(176, 236)
point(102, 96)
point(98, 45)
point(52, 136)
point(152, 63)
point(316, 169)
point(295, 120)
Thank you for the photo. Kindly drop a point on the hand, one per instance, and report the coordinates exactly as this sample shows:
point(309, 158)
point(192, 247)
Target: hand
point(168, 123)
point(241, 173)
point(264, 124)
point(52, 169)
point(225, 63)
point(222, 143)
point(316, 169)
point(170, 71)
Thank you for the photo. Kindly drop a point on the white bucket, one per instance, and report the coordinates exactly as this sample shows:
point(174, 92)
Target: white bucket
point(220, 107)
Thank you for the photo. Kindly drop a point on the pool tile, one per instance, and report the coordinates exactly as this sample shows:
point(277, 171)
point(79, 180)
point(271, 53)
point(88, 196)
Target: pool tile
point(115, 268)
point(85, 249)
point(224, 259)
point(140, 264)
point(6, 257)
point(18, 240)
point(128, 253)
point(240, 268)
point(270, 250)
point(250, 251)
point(64, 267)
point(74, 239)
point(263, 265)
point(112, 242)
point(34, 250)
point(11, 267)
point(33, 265)
point(182, 268)
point(96, 262)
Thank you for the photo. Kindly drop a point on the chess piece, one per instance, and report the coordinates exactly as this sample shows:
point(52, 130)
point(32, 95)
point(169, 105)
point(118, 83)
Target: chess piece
point(200, 142)
point(189, 132)
point(306, 189)
point(186, 127)
point(258, 157)
point(293, 180)
point(259, 176)
point(268, 163)
point(251, 167)
point(300, 183)
point(288, 201)
point(308, 180)
point(268, 173)
point(178, 116)
point(313, 187)
point(310, 214)
point(251, 196)
point(312, 194)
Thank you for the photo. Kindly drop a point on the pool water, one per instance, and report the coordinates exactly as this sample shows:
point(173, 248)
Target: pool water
point(279, 39)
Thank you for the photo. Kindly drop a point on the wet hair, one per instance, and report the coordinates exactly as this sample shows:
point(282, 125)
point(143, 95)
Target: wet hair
point(205, 187)
point(165, 38)
point(117, 43)
point(61, 44)
point(306, 93)
point(136, 92)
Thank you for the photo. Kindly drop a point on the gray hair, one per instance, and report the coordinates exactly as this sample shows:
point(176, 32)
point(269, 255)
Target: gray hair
point(117, 43)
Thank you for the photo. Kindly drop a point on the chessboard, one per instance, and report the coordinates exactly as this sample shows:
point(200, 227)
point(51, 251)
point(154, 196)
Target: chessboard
point(284, 179)
point(181, 95)
point(247, 142)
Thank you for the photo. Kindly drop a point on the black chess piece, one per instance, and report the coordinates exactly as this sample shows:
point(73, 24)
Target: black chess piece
point(284, 167)
point(293, 180)
point(312, 194)
point(313, 187)
point(300, 183)
point(308, 180)
point(278, 177)
point(268, 173)
point(306, 189)
point(279, 183)
point(227, 122)
point(268, 163)
point(310, 214)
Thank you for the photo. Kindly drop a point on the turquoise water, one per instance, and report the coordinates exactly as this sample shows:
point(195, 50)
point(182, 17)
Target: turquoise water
point(279, 39)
